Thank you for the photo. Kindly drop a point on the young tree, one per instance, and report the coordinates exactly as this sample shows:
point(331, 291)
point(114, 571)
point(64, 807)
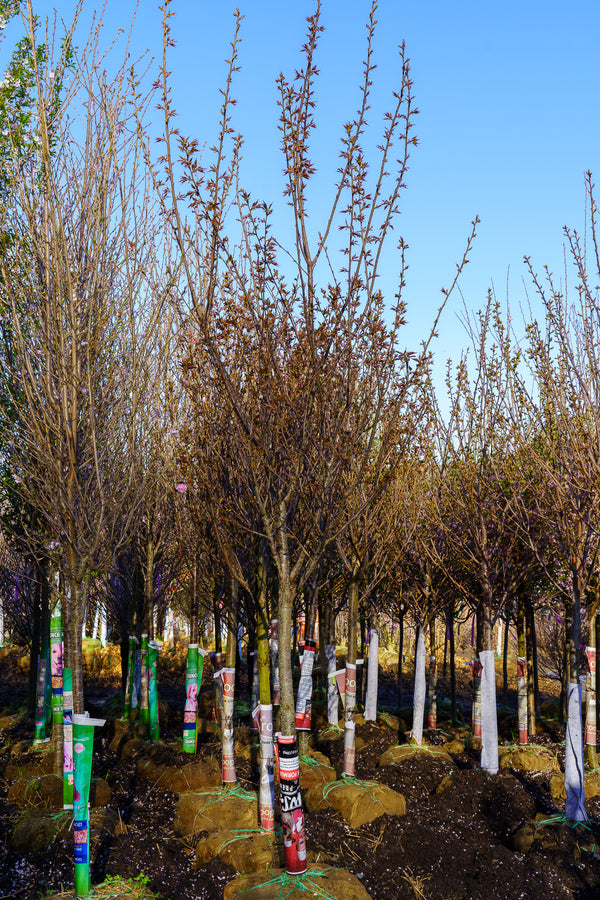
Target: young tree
point(73, 284)
point(559, 453)
point(476, 505)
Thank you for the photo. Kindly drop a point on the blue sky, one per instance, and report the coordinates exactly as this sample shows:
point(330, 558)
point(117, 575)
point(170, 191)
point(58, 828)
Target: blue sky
point(509, 122)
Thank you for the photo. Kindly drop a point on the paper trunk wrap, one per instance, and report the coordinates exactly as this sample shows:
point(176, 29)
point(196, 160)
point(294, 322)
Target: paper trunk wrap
point(292, 816)
point(144, 699)
point(267, 783)
point(338, 678)
point(372, 677)
point(228, 768)
point(590, 713)
point(304, 698)
point(56, 662)
point(574, 771)
point(476, 712)
point(489, 715)
point(153, 648)
point(522, 699)
point(349, 717)
point(419, 688)
point(332, 697)
point(83, 745)
point(190, 711)
point(67, 739)
point(217, 662)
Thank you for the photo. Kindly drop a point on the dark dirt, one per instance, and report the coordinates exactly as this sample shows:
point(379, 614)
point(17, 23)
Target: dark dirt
point(451, 845)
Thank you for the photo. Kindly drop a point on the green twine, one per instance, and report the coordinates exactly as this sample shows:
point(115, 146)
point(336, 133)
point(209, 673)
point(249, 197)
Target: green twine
point(239, 792)
point(240, 834)
point(387, 719)
point(301, 882)
point(222, 793)
point(560, 819)
point(423, 748)
point(331, 729)
point(33, 784)
point(310, 761)
point(525, 748)
point(348, 779)
point(61, 814)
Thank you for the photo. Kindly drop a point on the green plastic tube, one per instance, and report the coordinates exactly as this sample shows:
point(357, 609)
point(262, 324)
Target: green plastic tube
point(190, 713)
point(56, 659)
point(67, 739)
point(144, 700)
point(153, 648)
point(83, 745)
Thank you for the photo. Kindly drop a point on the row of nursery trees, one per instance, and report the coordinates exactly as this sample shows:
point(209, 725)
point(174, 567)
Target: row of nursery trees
point(197, 413)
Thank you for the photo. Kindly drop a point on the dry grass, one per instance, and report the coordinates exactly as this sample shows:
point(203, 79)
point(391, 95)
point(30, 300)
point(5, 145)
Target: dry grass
point(416, 882)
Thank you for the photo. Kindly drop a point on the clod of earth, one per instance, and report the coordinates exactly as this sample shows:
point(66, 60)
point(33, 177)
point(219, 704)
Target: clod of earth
point(318, 882)
point(358, 802)
point(395, 755)
point(218, 810)
point(591, 780)
point(531, 759)
point(246, 850)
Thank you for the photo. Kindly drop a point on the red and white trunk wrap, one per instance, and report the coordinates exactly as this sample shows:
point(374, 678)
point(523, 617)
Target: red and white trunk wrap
point(349, 723)
point(228, 768)
point(266, 791)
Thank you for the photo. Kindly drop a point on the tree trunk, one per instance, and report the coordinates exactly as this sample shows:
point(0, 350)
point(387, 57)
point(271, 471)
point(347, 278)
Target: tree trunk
point(432, 717)
point(529, 631)
point(360, 670)
point(149, 589)
point(194, 601)
point(73, 610)
point(566, 674)
point(505, 660)
point(452, 662)
point(36, 641)
point(217, 616)
point(400, 655)
point(285, 606)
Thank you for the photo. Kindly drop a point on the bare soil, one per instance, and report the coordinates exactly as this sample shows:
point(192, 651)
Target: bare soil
point(453, 843)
